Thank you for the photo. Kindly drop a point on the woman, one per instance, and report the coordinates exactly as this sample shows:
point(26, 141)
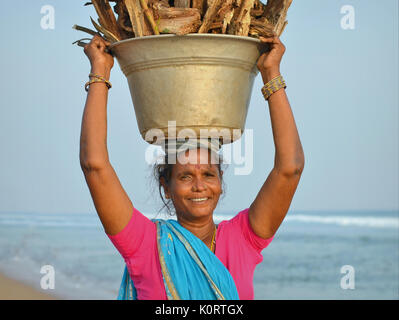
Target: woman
point(190, 258)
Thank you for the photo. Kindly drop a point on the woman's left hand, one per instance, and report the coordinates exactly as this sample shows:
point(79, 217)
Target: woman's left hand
point(269, 62)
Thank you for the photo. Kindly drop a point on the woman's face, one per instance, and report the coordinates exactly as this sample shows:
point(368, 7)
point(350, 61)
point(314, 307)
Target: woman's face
point(195, 185)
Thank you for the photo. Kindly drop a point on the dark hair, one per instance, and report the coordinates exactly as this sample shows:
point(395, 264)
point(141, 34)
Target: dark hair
point(164, 169)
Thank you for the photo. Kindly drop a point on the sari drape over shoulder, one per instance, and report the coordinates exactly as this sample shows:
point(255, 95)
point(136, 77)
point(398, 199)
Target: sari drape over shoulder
point(190, 270)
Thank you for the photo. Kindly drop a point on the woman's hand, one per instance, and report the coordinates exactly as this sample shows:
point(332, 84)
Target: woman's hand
point(101, 61)
point(269, 62)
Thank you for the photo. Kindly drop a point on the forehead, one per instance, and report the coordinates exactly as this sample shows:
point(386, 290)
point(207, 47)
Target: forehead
point(196, 159)
point(197, 156)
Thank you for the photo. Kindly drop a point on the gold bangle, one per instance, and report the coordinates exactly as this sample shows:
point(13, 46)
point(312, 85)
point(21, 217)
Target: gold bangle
point(93, 75)
point(95, 81)
point(273, 86)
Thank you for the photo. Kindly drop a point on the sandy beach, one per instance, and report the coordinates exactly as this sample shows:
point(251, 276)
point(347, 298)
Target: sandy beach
point(14, 290)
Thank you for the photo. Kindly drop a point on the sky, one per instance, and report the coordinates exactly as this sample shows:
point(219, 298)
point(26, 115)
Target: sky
point(342, 85)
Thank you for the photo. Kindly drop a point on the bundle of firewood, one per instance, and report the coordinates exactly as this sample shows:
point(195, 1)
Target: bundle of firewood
point(139, 18)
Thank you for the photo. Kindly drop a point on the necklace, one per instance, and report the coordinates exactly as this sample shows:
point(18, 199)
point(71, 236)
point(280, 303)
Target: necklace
point(213, 239)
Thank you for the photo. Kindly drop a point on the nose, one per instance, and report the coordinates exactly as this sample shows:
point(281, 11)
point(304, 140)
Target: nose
point(198, 185)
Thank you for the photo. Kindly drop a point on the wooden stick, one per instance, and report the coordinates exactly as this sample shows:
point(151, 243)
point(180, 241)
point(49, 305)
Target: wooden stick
point(242, 18)
point(179, 21)
point(87, 30)
point(225, 14)
point(135, 14)
point(106, 17)
point(200, 5)
point(280, 32)
point(261, 28)
point(123, 20)
point(182, 3)
point(149, 16)
point(282, 23)
point(276, 14)
point(210, 15)
point(258, 9)
point(109, 35)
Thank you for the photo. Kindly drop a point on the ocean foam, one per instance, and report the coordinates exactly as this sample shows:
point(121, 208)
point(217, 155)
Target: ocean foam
point(92, 221)
point(373, 222)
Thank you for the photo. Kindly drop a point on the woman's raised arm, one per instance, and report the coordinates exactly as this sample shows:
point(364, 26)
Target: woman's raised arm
point(271, 205)
point(112, 204)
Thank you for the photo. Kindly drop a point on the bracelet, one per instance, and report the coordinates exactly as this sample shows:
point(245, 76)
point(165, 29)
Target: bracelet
point(273, 86)
point(97, 79)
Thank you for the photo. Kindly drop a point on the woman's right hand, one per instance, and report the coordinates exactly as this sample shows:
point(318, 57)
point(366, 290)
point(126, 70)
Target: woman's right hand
point(101, 61)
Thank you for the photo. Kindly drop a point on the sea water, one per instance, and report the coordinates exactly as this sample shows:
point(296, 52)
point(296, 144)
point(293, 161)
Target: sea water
point(308, 258)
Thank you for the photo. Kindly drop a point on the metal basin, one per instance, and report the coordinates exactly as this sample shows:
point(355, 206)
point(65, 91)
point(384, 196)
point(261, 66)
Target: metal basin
point(201, 81)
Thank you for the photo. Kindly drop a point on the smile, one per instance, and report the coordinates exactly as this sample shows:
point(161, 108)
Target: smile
point(199, 199)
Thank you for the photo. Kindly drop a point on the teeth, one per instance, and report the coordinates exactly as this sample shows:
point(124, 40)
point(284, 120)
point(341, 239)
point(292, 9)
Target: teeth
point(199, 199)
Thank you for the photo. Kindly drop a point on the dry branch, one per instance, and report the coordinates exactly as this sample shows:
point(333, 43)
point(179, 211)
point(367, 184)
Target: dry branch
point(261, 28)
point(182, 3)
point(276, 14)
point(83, 29)
point(210, 15)
point(108, 35)
point(149, 16)
point(179, 21)
point(223, 17)
point(258, 9)
point(138, 18)
point(242, 18)
point(123, 21)
point(106, 17)
point(201, 5)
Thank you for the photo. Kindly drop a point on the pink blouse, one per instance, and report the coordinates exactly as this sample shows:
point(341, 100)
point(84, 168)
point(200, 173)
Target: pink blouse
point(237, 247)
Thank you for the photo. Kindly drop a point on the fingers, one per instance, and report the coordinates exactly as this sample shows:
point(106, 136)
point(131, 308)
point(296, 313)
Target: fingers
point(275, 40)
point(96, 43)
point(98, 39)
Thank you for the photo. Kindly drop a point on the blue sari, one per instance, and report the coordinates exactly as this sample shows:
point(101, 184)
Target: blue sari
point(190, 270)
